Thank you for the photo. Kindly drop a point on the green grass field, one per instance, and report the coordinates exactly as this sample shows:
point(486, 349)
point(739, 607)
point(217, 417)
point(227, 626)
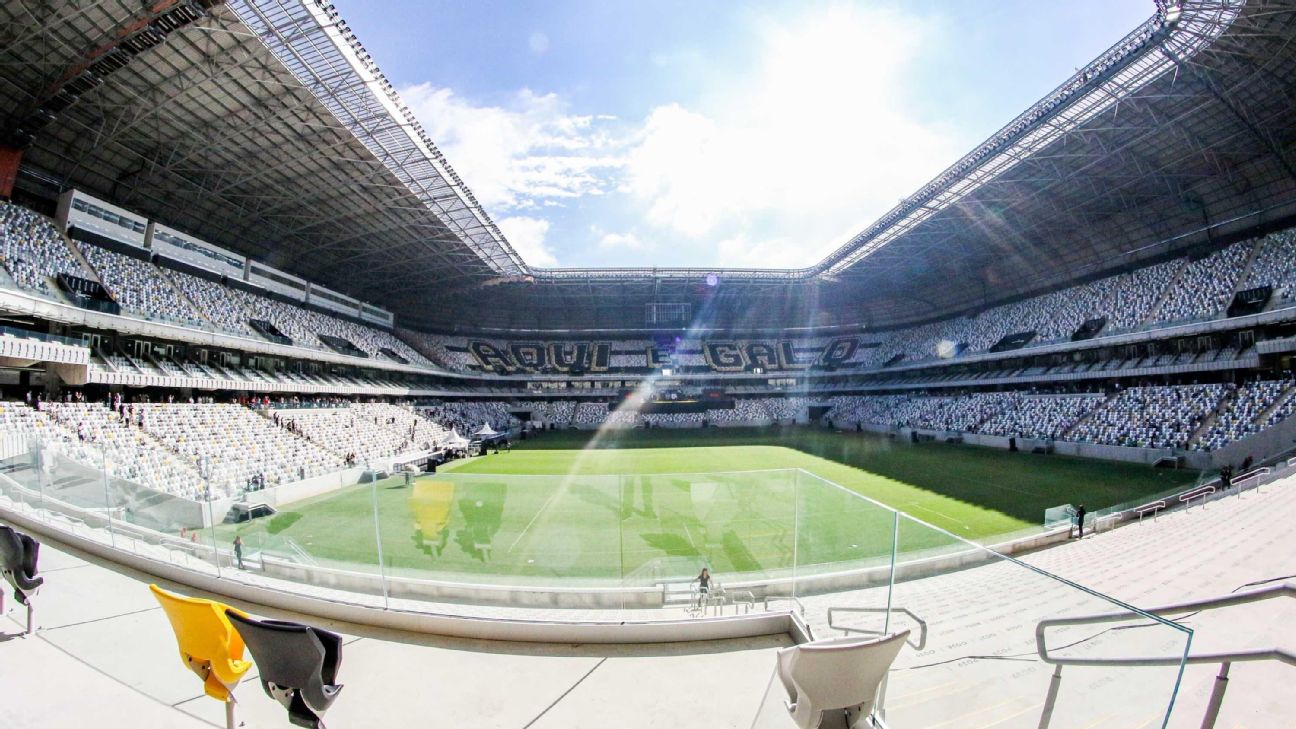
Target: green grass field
point(634, 504)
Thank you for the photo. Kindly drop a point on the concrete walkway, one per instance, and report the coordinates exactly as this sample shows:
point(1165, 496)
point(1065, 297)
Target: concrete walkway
point(104, 656)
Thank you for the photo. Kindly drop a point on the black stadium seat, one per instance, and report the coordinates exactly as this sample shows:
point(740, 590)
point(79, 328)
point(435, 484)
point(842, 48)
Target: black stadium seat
point(297, 664)
point(18, 555)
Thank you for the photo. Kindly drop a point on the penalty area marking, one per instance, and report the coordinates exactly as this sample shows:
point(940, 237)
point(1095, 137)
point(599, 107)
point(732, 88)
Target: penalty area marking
point(938, 513)
point(543, 508)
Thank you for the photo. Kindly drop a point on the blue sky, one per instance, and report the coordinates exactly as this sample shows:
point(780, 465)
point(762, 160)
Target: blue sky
point(715, 134)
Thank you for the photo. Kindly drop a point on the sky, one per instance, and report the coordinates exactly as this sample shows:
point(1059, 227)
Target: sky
point(711, 134)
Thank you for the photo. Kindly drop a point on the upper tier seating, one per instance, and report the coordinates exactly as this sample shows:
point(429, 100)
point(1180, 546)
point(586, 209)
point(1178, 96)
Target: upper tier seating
point(1172, 291)
point(140, 287)
point(1205, 286)
point(1275, 265)
point(304, 325)
point(33, 250)
point(214, 301)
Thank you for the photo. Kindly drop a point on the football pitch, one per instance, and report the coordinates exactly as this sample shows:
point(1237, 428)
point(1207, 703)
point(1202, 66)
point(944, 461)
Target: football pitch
point(632, 506)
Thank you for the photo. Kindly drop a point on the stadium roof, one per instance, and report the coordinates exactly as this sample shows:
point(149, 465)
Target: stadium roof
point(259, 126)
point(264, 127)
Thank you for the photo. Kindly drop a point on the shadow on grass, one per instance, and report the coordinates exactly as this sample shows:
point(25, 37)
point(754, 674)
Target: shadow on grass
point(1019, 485)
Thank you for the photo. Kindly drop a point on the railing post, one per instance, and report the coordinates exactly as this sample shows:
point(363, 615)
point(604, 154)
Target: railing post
point(1216, 697)
point(1050, 700)
point(382, 569)
point(895, 549)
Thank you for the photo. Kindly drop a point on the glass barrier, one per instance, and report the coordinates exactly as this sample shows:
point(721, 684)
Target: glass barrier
point(972, 655)
point(40, 336)
point(318, 532)
point(616, 548)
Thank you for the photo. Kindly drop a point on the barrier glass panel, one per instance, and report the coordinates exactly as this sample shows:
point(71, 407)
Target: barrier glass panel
point(23, 473)
point(326, 539)
point(844, 544)
point(158, 504)
point(982, 648)
point(736, 525)
point(71, 481)
point(974, 646)
point(462, 539)
point(590, 542)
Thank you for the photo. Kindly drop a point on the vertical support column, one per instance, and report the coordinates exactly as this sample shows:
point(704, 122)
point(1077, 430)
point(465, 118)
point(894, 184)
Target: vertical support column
point(1216, 697)
point(1051, 699)
point(10, 157)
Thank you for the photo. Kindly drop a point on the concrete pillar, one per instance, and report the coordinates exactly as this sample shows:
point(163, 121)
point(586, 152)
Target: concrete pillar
point(9, 159)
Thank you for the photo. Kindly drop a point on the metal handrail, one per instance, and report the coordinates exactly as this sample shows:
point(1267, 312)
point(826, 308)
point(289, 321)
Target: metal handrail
point(1224, 658)
point(922, 624)
point(1200, 492)
point(1152, 506)
point(1287, 589)
point(796, 601)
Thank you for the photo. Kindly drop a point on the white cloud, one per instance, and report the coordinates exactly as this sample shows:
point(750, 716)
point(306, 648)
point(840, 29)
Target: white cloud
point(627, 241)
point(521, 154)
point(741, 251)
point(774, 167)
point(527, 235)
point(818, 139)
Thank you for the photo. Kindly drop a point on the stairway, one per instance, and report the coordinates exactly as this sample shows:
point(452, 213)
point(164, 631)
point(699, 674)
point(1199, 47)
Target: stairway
point(1240, 283)
point(1281, 400)
point(202, 314)
point(1154, 311)
point(87, 270)
point(1204, 426)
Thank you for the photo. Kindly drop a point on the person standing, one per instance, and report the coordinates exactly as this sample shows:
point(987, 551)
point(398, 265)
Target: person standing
point(238, 550)
point(704, 586)
point(1080, 517)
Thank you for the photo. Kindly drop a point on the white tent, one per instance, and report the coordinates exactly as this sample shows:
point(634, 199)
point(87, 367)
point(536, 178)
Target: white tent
point(456, 440)
point(486, 431)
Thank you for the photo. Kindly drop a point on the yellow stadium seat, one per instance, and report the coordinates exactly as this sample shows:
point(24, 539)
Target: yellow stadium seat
point(209, 644)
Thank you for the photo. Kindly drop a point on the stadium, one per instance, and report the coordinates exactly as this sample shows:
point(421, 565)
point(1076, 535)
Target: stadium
point(278, 389)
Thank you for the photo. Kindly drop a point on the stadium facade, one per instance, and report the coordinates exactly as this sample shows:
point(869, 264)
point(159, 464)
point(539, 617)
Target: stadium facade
point(238, 276)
